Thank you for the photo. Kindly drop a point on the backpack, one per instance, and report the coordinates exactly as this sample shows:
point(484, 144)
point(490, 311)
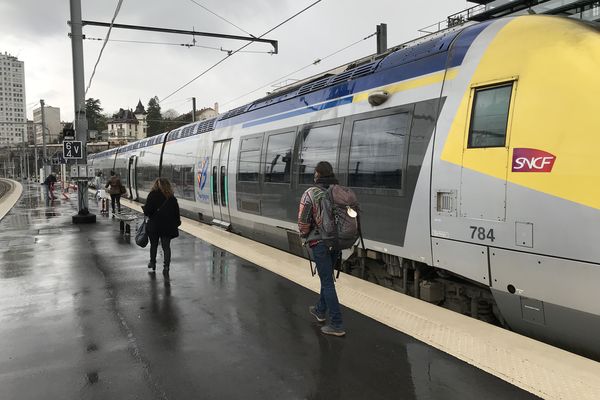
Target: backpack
point(340, 221)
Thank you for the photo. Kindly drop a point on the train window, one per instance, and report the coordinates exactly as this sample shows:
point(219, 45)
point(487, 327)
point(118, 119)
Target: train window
point(377, 151)
point(249, 165)
point(279, 157)
point(213, 183)
point(489, 116)
point(319, 144)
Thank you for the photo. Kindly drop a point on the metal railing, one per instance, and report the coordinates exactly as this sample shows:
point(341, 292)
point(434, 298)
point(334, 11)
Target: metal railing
point(453, 20)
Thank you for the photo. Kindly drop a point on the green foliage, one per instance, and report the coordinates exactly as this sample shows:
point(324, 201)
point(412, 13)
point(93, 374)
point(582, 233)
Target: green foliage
point(174, 121)
point(154, 117)
point(93, 112)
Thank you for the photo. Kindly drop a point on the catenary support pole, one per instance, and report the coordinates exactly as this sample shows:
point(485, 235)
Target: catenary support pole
point(381, 38)
point(83, 214)
point(35, 156)
point(44, 151)
point(193, 109)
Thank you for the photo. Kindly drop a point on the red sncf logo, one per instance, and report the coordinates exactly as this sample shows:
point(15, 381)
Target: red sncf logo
point(532, 160)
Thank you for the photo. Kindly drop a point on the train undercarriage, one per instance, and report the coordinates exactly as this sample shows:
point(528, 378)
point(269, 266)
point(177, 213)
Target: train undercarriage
point(430, 284)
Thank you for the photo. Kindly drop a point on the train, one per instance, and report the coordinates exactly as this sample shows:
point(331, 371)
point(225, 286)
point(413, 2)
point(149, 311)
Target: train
point(474, 153)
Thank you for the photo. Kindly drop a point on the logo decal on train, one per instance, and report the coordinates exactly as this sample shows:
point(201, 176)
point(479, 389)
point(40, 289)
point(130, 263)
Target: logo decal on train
point(202, 176)
point(532, 160)
point(202, 172)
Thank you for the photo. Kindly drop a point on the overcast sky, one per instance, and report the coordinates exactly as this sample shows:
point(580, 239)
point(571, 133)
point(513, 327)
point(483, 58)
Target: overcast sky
point(37, 33)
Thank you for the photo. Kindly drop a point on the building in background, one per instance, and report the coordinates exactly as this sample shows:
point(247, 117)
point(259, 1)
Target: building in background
point(13, 119)
point(140, 114)
point(207, 113)
point(127, 126)
point(52, 116)
point(30, 132)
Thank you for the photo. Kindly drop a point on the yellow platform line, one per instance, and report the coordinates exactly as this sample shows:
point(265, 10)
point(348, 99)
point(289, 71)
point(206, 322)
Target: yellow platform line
point(536, 367)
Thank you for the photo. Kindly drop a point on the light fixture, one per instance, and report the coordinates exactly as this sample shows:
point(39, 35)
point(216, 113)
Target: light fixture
point(378, 98)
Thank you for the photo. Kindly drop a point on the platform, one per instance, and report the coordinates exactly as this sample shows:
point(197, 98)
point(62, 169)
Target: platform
point(82, 318)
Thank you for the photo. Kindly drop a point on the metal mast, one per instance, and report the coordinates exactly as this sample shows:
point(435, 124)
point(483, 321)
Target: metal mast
point(83, 214)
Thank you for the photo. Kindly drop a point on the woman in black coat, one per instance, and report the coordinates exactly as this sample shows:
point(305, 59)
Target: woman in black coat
point(163, 212)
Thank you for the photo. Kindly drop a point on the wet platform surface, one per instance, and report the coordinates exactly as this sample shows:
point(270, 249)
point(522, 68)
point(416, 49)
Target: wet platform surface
point(80, 317)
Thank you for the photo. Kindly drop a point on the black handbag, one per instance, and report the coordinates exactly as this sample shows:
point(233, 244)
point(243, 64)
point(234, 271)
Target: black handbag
point(141, 236)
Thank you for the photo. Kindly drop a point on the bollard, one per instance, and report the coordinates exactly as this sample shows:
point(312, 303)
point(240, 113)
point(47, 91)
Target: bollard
point(122, 226)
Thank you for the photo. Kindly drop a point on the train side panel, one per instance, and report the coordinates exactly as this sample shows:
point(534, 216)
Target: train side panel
point(178, 166)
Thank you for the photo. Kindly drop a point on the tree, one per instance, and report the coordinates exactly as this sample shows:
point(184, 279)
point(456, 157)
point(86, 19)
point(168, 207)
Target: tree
point(93, 111)
point(154, 117)
point(170, 114)
point(170, 120)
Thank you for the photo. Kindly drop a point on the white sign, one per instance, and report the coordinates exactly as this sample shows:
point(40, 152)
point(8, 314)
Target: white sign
point(81, 171)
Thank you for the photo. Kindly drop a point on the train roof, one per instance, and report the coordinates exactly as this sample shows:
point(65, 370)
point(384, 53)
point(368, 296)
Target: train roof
point(406, 54)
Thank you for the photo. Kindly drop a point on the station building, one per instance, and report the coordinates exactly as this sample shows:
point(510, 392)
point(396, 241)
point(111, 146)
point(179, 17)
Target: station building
point(52, 122)
point(12, 100)
point(127, 126)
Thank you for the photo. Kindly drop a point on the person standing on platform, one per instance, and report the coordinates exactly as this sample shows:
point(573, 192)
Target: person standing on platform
point(115, 190)
point(49, 186)
point(309, 224)
point(98, 185)
point(162, 209)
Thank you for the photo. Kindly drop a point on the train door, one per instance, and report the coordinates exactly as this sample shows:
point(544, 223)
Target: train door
point(218, 181)
point(485, 158)
point(133, 195)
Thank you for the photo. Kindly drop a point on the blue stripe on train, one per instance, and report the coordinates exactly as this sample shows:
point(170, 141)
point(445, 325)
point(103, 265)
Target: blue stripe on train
point(323, 106)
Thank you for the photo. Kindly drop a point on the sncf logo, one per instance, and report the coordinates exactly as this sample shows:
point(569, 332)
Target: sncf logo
point(532, 160)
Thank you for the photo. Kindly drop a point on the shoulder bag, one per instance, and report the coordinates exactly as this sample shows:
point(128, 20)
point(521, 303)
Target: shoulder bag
point(141, 236)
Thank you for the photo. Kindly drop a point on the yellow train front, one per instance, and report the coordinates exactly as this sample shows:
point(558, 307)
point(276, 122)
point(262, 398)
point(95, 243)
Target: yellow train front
point(515, 187)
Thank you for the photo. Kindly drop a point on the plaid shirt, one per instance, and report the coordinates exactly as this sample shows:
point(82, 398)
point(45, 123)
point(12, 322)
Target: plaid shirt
point(309, 211)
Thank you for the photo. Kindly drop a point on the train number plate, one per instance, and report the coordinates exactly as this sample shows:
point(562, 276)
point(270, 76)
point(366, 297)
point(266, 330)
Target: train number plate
point(481, 233)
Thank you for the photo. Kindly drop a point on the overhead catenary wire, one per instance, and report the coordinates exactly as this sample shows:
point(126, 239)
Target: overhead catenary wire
point(220, 17)
point(103, 46)
point(239, 49)
point(177, 102)
point(315, 62)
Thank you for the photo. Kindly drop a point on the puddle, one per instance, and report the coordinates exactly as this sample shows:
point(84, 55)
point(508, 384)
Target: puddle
point(92, 377)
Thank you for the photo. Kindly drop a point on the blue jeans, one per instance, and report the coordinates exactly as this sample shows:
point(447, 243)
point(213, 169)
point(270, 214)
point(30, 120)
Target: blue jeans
point(328, 300)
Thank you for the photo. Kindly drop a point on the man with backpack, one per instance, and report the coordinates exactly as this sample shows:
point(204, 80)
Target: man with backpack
point(323, 233)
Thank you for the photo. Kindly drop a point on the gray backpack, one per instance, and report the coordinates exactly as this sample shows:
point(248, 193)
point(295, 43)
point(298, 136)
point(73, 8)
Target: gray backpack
point(340, 219)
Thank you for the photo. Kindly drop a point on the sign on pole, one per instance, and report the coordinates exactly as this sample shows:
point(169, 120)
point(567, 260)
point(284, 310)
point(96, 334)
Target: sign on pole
point(72, 149)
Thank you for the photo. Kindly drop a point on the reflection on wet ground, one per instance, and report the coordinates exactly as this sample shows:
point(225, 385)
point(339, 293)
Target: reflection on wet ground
point(81, 317)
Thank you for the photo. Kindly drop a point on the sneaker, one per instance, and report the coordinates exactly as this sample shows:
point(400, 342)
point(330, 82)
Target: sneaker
point(152, 265)
point(330, 330)
point(313, 310)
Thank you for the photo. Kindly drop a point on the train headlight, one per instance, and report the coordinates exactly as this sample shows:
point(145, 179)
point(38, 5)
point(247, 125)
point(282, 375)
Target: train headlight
point(378, 98)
